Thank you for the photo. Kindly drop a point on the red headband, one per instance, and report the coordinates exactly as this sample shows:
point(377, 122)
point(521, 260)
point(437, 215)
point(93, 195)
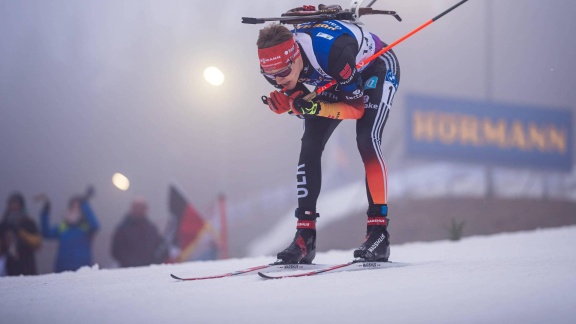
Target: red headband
point(279, 56)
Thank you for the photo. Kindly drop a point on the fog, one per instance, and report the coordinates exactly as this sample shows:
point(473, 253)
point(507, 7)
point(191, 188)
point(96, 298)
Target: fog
point(91, 88)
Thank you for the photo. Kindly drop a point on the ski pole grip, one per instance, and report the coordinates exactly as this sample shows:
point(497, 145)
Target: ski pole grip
point(310, 96)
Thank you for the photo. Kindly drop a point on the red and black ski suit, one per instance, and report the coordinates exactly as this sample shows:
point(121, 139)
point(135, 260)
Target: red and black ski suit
point(330, 51)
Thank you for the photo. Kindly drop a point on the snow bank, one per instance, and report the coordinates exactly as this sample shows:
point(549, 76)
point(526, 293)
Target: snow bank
point(521, 277)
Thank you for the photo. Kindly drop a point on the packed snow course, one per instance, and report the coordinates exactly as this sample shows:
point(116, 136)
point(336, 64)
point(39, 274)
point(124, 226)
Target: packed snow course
point(526, 277)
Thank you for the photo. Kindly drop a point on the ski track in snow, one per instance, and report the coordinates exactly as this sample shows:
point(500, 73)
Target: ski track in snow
point(527, 277)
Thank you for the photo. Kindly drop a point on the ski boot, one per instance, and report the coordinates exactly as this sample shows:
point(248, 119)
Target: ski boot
point(376, 247)
point(303, 247)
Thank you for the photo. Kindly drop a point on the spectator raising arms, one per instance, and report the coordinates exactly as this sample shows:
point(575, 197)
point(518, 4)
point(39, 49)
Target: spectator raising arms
point(74, 233)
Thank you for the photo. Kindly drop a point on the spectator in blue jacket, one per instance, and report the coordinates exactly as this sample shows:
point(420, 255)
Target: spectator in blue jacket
point(74, 233)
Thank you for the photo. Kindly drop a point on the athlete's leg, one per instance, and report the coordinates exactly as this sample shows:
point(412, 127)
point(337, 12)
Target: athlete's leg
point(378, 99)
point(369, 140)
point(317, 131)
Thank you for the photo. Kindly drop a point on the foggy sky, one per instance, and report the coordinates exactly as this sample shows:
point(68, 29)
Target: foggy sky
point(91, 88)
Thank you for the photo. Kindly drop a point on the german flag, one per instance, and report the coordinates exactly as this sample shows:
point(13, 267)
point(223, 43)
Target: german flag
point(190, 229)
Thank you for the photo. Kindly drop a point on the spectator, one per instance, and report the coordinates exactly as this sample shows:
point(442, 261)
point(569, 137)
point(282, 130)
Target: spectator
point(74, 233)
point(7, 260)
point(20, 234)
point(136, 241)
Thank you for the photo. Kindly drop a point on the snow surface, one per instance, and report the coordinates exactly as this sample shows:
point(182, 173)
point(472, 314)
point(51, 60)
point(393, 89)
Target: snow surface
point(526, 277)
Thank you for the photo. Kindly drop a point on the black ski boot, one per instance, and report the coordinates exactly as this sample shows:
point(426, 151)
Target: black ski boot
point(303, 247)
point(376, 247)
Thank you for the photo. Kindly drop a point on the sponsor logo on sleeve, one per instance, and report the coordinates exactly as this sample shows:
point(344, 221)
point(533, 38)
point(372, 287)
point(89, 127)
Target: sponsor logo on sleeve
point(371, 83)
point(346, 72)
point(355, 95)
point(391, 77)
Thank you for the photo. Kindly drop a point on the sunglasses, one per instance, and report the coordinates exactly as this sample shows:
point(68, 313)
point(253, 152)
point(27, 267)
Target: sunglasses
point(282, 73)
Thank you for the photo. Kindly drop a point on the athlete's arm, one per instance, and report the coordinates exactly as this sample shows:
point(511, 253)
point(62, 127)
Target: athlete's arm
point(342, 67)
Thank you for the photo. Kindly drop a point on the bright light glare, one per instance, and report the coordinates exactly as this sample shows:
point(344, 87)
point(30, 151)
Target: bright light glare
point(120, 181)
point(214, 76)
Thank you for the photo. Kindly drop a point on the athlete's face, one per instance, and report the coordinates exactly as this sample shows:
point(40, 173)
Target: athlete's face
point(289, 80)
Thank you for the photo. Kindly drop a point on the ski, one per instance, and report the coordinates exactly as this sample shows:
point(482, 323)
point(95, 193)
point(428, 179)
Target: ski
point(350, 266)
point(274, 267)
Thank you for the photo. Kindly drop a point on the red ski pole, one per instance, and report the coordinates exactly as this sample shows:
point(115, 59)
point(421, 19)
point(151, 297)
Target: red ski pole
point(384, 50)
